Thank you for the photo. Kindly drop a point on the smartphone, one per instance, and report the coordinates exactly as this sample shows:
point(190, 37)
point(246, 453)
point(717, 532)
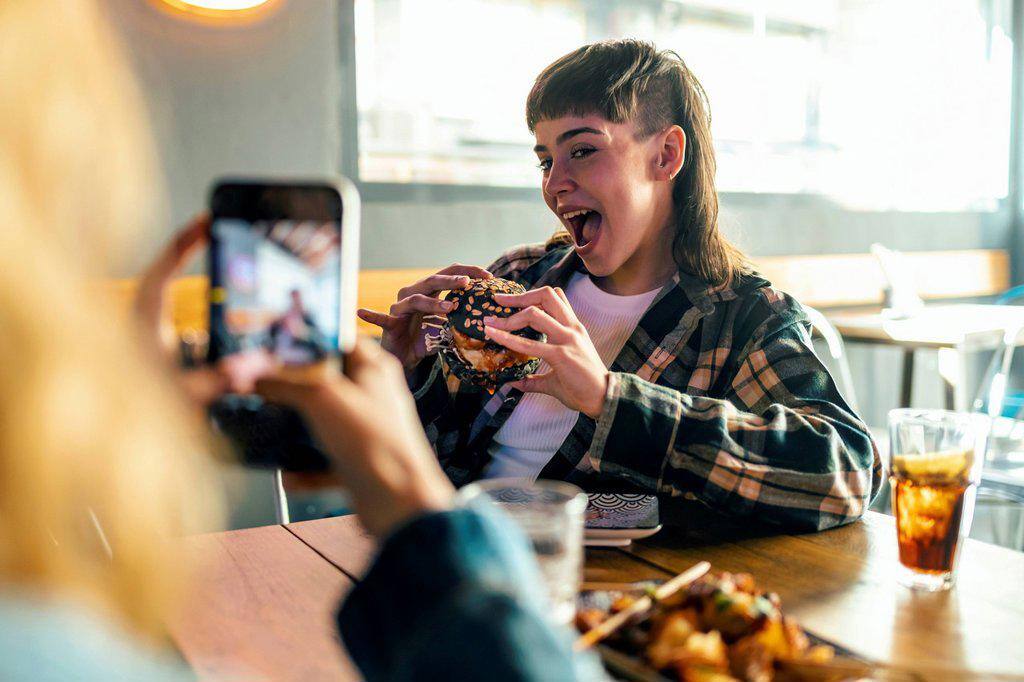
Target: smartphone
point(283, 267)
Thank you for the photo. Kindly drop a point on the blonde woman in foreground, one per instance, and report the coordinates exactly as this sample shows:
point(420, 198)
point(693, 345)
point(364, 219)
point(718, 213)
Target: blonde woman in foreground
point(102, 453)
point(100, 462)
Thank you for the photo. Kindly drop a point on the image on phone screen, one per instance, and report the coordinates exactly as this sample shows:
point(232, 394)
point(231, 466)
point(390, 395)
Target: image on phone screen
point(277, 298)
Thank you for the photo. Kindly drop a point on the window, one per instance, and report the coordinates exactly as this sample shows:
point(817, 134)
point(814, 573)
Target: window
point(880, 104)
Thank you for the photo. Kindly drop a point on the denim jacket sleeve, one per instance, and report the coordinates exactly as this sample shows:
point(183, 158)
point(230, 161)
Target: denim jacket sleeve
point(454, 595)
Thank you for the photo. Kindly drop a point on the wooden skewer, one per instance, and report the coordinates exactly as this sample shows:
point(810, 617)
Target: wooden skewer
point(592, 637)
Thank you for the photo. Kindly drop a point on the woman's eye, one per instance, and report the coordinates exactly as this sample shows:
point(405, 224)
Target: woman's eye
point(581, 152)
point(544, 165)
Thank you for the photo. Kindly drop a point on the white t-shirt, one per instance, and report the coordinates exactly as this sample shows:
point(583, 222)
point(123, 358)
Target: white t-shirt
point(540, 423)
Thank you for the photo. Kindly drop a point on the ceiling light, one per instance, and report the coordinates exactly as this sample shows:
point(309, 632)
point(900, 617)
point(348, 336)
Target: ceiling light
point(223, 5)
point(222, 10)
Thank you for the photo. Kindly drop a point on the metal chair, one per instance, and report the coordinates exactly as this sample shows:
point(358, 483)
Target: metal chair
point(280, 499)
point(1000, 498)
point(836, 350)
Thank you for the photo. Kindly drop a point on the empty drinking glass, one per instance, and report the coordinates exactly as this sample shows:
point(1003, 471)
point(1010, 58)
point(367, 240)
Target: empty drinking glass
point(550, 513)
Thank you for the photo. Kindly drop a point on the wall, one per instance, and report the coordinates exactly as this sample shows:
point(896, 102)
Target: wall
point(266, 99)
point(418, 233)
point(248, 99)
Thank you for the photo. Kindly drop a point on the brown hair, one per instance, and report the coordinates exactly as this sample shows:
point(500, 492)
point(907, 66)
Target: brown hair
point(625, 80)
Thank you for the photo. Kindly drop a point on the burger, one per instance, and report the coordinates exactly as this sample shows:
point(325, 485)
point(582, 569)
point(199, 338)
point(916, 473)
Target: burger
point(467, 352)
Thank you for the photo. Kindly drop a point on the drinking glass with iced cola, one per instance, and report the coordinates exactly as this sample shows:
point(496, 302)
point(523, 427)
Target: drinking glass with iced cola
point(934, 469)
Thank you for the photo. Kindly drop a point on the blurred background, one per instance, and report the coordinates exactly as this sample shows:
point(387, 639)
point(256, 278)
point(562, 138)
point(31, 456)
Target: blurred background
point(837, 124)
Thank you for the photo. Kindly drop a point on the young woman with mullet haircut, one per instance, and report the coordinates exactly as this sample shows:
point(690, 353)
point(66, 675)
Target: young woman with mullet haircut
point(670, 366)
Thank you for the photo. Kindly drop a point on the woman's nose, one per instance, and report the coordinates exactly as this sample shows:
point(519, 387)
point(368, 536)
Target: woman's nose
point(558, 181)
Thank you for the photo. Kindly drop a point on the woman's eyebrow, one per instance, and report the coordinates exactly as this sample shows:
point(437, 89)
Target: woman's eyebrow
point(569, 134)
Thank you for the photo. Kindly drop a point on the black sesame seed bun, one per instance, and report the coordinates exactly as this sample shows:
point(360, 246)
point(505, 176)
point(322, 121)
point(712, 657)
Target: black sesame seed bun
point(476, 302)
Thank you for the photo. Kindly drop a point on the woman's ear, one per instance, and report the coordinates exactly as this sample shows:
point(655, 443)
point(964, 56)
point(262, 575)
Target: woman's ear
point(672, 149)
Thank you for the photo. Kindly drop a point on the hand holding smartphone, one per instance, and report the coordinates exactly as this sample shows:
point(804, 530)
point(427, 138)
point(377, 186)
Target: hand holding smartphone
point(283, 266)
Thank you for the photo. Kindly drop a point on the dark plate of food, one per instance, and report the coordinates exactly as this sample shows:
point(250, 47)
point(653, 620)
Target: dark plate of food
point(719, 628)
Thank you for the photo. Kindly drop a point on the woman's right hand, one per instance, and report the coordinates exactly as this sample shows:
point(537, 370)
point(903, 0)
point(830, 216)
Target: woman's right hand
point(366, 421)
point(404, 331)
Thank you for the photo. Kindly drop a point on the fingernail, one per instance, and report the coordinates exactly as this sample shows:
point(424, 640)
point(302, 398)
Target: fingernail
point(448, 305)
point(490, 319)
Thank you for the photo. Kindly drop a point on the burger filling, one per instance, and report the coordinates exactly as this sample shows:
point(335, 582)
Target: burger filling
point(485, 356)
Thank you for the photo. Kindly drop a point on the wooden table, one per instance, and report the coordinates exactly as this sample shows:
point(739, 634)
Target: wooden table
point(263, 608)
point(954, 330)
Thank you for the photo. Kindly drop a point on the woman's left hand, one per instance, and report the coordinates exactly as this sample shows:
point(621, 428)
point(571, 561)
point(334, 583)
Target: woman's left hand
point(202, 385)
point(578, 377)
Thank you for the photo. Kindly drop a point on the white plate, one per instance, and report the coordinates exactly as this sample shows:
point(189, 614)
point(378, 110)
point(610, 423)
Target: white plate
point(616, 537)
point(616, 511)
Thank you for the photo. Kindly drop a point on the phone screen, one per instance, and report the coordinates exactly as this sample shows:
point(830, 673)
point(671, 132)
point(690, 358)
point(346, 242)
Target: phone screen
point(276, 298)
point(278, 289)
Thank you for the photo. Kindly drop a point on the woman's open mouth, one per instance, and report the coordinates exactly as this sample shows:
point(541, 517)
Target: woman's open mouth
point(585, 225)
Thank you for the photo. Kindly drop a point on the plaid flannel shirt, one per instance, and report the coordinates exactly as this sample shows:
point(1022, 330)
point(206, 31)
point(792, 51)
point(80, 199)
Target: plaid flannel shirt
point(716, 396)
